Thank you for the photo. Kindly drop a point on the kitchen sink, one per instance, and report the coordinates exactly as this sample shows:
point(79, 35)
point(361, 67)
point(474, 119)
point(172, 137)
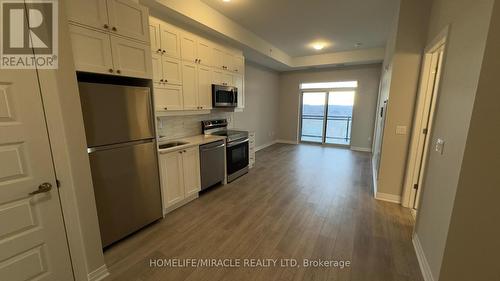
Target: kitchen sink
point(172, 144)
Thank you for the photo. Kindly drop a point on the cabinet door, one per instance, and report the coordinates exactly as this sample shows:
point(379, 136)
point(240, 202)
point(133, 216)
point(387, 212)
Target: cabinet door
point(131, 58)
point(128, 18)
point(191, 171)
point(157, 69)
point(88, 12)
point(204, 51)
point(172, 182)
point(91, 50)
point(168, 97)
point(227, 79)
point(228, 61)
point(188, 47)
point(172, 70)
point(218, 57)
point(189, 86)
point(240, 84)
point(204, 87)
point(217, 76)
point(170, 40)
point(239, 64)
point(154, 35)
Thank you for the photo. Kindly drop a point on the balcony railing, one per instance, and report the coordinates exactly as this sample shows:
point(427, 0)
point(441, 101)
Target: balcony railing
point(338, 128)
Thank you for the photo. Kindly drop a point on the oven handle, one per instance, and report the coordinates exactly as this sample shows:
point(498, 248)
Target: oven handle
point(231, 144)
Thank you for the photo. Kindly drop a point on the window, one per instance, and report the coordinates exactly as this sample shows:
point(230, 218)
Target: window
point(329, 85)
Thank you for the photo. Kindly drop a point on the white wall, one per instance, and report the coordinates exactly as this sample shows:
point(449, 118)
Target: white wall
point(261, 104)
point(368, 77)
point(469, 21)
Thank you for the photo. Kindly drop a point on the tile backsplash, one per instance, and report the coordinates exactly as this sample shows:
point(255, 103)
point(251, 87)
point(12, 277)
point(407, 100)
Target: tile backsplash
point(173, 127)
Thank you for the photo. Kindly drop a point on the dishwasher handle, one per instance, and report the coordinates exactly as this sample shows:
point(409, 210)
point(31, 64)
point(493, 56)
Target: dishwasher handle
point(212, 148)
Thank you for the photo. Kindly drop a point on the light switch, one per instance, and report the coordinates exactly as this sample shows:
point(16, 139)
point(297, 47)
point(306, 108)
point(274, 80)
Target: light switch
point(400, 130)
point(439, 147)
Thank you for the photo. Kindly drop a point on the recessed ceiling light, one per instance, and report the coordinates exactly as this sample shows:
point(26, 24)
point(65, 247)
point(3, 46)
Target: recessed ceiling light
point(226, 1)
point(318, 46)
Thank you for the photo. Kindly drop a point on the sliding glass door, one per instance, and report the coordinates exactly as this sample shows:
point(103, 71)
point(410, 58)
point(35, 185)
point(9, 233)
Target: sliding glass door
point(327, 117)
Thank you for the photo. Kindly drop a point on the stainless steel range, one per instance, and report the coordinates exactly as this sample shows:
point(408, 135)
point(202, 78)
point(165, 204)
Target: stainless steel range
point(237, 157)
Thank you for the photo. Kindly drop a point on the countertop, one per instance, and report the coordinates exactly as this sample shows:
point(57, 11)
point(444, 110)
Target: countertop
point(191, 141)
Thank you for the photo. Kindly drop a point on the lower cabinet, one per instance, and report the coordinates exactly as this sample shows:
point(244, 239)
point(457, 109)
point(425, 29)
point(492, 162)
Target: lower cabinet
point(180, 177)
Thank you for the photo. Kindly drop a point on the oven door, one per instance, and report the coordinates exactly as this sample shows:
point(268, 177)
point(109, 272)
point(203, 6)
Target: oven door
point(237, 156)
point(224, 96)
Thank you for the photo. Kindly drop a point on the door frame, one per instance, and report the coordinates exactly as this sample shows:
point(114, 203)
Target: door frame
point(325, 123)
point(425, 107)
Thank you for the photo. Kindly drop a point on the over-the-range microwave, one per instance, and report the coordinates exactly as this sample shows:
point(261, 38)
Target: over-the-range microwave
point(224, 96)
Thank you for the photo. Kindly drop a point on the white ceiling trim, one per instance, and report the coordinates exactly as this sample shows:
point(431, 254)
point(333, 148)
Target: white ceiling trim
point(201, 13)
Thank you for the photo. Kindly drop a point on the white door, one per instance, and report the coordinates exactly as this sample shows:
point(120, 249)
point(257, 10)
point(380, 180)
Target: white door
point(33, 242)
point(129, 19)
point(218, 57)
point(238, 83)
point(204, 87)
point(131, 58)
point(239, 64)
point(157, 69)
point(188, 47)
point(204, 51)
point(154, 36)
point(172, 183)
point(189, 85)
point(172, 70)
point(91, 50)
point(88, 12)
point(191, 171)
point(168, 97)
point(170, 40)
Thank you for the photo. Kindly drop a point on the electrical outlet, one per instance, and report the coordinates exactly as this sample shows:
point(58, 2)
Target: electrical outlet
point(439, 147)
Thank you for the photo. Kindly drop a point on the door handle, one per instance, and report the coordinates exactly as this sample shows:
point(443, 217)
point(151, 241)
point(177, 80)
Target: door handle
point(44, 187)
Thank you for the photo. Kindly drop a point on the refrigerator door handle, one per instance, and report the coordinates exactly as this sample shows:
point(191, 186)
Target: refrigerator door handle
point(117, 145)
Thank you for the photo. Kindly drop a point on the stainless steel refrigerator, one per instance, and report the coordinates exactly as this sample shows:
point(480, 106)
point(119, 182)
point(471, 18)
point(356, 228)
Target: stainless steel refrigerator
point(123, 157)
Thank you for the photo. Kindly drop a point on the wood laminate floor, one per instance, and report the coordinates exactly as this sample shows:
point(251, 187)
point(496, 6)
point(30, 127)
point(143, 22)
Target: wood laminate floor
point(299, 202)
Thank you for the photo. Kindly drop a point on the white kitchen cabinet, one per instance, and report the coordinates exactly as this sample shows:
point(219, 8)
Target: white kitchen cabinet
point(91, 50)
point(239, 64)
point(228, 61)
point(180, 176)
point(168, 97)
point(120, 17)
point(165, 38)
point(172, 70)
point(227, 79)
point(188, 47)
point(189, 86)
point(131, 58)
point(128, 18)
point(204, 87)
point(157, 69)
point(240, 84)
point(154, 35)
point(217, 76)
point(218, 57)
point(191, 171)
point(93, 13)
point(172, 178)
point(204, 52)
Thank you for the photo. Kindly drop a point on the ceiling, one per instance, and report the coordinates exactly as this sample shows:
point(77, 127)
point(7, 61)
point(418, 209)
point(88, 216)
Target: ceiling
point(292, 25)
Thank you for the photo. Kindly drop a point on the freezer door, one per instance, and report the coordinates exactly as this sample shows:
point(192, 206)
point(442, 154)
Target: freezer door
point(115, 113)
point(127, 188)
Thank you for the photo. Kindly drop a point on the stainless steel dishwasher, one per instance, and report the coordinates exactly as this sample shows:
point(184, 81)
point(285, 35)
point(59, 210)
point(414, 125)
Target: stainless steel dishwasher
point(212, 163)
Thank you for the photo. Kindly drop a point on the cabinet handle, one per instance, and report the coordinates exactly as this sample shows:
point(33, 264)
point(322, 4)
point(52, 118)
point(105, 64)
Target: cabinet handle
point(166, 80)
point(118, 71)
point(158, 51)
point(161, 80)
point(106, 26)
point(110, 70)
point(199, 60)
point(166, 108)
point(163, 51)
point(114, 29)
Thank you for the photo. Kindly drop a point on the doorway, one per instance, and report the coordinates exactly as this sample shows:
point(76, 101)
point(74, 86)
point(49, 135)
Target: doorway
point(422, 126)
point(326, 117)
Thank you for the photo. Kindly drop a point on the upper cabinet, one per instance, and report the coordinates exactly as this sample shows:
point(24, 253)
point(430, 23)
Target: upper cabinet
point(165, 38)
point(239, 64)
point(121, 17)
point(110, 37)
point(188, 47)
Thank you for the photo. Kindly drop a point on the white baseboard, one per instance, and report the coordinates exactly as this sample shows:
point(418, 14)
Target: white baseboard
point(422, 260)
point(260, 147)
point(286, 141)
point(388, 197)
point(361, 149)
point(98, 274)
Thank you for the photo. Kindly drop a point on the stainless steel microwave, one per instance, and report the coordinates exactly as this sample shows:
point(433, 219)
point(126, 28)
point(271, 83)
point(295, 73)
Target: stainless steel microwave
point(224, 96)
